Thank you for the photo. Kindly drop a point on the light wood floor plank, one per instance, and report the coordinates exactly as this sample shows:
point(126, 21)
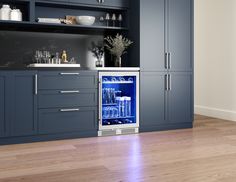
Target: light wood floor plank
point(206, 153)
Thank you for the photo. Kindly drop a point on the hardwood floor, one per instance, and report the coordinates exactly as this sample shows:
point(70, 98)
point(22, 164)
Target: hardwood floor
point(206, 153)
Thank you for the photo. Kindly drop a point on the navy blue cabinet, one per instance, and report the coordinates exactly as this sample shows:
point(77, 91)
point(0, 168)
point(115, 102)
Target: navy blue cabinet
point(24, 103)
point(180, 98)
point(67, 101)
point(166, 61)
point(2, 105)
point(166, 100)
point(153, 99)
point(179, 34)
point(73, 119)
point(152, 39)
point(42, 105)
point(166, 35)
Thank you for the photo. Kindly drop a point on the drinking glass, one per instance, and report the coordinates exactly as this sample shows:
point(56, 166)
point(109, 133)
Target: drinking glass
point(113, 18)
point(120, 19)
point(107, 18)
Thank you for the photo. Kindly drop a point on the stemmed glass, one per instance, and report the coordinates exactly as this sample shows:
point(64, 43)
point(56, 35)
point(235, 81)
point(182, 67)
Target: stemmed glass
point(38, 56)
point(120, 19)
point(107, 18)
point(113, 18)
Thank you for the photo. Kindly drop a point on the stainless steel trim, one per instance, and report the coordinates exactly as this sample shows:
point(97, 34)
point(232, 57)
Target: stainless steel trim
point(100, 102)
point(69, 73)
point(69, 91)
point(36, 84)
point(69, 110)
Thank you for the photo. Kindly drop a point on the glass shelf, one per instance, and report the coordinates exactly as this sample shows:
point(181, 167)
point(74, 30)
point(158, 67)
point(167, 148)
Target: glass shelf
point(118, 82)
point(111, 104)
point(127, 117)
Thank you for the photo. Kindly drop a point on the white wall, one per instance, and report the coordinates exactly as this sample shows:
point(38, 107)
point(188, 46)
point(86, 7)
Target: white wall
point(215, 58)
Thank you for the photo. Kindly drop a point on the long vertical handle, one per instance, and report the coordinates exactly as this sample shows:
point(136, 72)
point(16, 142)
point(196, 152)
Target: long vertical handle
point(166, 82)
point(169, 82)
point(100, 101)
point(166, 60)
point(36, 84)
point(169, 60)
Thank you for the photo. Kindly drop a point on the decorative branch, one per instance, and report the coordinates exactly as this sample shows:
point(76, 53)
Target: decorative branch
point(118, 45)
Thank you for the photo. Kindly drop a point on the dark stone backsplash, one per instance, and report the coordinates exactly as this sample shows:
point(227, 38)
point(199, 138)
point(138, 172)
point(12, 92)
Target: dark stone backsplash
point(17, 48)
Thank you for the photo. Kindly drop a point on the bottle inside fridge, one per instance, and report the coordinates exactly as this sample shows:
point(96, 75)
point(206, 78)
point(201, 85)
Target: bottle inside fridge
point(119, 100)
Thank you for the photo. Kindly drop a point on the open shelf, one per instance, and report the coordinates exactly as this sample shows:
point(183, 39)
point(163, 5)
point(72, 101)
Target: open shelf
point(50, 27)
point(32, 10)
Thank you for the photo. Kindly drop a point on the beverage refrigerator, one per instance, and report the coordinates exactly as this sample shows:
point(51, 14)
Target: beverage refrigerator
point(118, 103)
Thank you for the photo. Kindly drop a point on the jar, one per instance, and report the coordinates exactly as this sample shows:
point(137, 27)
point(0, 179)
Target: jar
point(16, 15)
point(5, 12)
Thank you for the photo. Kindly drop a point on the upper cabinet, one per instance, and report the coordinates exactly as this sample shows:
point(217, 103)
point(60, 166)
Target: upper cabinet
point(166, 35)
point(152, 31)
point(115, 3)
point(179, 34)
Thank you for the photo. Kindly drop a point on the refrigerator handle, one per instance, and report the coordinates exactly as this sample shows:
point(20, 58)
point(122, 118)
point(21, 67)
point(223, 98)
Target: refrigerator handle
point(100, 101)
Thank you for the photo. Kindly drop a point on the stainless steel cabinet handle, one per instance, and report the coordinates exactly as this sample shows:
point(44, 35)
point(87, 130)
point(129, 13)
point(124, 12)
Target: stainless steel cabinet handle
point(69, 91)
point(169, 60)
point(69, 73)
point(36, 84)
point(169, 82)
point(69, 110)
point(166, 82)
point(166, 61)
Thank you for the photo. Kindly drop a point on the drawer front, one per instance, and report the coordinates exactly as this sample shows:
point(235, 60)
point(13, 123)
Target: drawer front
point(67, 98)
point(67, 80)
point(52, 121)
point(114, 3)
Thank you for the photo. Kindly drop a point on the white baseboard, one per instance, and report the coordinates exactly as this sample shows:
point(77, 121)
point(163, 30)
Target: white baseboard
point(216, 113)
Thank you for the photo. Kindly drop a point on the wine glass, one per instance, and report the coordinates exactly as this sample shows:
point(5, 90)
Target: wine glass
point(113, 18)
point(120, 19)
point(107, 18)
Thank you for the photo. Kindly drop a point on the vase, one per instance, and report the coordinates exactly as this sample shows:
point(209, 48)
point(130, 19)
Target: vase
point(118, 62)
point(98, 63)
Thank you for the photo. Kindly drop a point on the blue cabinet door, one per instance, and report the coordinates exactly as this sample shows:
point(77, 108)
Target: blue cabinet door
point(24, 103)
point(179, 40)
point(152, 35)
point(2, 105)
point(180, 98)
point(153, 99)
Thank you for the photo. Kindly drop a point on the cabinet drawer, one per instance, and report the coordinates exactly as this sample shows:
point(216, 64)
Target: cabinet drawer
point(67, 120)
point(67, 80)
point(114, 3)
point(67, 98)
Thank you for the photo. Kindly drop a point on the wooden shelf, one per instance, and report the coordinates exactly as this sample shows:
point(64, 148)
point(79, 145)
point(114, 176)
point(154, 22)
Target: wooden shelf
point(60, 28)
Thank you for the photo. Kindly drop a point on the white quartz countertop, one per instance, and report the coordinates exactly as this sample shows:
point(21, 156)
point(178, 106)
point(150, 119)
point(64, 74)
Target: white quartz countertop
point(117, 69)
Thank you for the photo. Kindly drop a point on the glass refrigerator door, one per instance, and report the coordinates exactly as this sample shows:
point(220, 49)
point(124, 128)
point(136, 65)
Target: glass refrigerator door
point(119, 100)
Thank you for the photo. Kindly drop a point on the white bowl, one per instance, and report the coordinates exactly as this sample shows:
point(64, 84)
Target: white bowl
point(85, 20)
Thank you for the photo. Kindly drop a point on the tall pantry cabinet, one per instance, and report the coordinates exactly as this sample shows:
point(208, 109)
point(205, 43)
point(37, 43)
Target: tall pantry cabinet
point(166, 61)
